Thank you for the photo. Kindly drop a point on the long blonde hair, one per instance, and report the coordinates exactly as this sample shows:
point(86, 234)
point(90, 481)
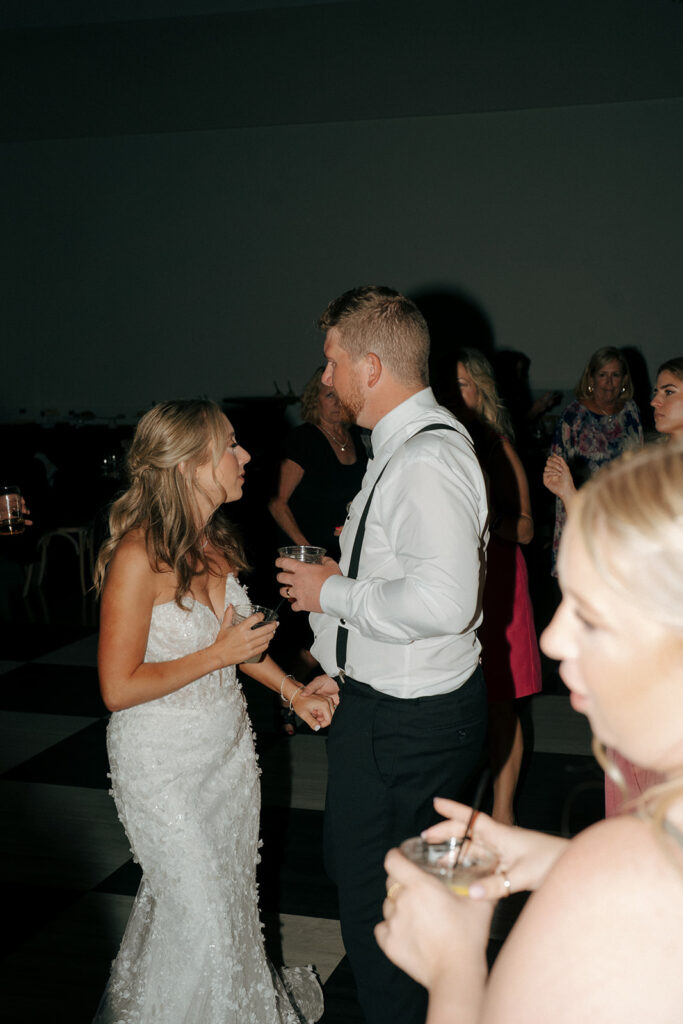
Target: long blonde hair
point(630, 518)
point(631, 522)
point(490, 408)
point(171, 441)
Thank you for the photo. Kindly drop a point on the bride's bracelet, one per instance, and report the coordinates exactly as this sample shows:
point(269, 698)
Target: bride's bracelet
point(294, 696)
point(282, 696)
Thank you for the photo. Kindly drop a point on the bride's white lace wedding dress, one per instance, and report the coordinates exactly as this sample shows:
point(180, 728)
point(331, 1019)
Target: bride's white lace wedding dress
point(185, 781)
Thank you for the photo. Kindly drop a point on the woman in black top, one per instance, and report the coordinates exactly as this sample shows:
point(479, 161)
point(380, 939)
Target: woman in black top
point(321, 473)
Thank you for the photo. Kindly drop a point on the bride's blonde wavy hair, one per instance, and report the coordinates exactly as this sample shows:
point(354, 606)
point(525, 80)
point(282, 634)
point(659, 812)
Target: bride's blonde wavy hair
point(171, 441)
point(630, 518)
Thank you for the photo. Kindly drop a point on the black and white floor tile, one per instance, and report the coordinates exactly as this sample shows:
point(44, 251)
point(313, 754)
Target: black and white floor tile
point(66, 872)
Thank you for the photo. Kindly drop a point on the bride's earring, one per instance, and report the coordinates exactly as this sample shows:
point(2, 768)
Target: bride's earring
point(590, 389)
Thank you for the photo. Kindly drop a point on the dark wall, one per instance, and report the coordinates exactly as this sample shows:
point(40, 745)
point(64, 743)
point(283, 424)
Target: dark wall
point(183, 196)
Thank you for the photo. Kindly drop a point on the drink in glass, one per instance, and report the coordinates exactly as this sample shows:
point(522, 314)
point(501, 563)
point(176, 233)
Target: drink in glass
point(456, 862)
point(303, 553)
point(11, 513)
point(241, 612)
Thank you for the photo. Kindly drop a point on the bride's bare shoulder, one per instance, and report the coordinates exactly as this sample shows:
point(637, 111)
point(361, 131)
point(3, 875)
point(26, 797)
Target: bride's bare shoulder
point(130, 563)
point(132, 549)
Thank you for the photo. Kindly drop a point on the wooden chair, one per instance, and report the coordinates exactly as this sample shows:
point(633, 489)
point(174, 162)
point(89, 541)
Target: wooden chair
point(80, 538)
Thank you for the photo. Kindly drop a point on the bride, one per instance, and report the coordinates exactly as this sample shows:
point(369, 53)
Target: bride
point(183, 768)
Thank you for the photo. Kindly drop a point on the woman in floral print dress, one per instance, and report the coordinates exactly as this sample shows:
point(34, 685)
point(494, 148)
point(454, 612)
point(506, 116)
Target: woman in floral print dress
point(598, 426)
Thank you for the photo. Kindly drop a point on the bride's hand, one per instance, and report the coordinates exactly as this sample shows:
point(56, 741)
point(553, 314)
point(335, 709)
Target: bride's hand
point(236, 644)
point(314, 711)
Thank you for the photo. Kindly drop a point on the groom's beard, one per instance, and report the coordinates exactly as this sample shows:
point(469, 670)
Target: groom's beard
point(351, 403)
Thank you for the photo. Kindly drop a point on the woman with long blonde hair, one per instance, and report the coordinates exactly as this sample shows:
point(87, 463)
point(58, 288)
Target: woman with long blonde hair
point(625, 780)
point(183, 767)
point(600, 938)
point(509, 657)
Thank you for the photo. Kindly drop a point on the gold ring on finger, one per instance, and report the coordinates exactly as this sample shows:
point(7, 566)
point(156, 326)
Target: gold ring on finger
point(392, 891)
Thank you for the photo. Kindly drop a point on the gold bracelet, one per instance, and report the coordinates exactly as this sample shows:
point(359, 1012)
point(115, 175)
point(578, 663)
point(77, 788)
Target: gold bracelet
point(282, 696)
point(294, 696)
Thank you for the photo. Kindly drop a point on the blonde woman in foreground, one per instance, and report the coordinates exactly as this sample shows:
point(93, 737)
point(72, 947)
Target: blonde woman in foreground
point(601, 937)
point(183, 768)
point(667, 401)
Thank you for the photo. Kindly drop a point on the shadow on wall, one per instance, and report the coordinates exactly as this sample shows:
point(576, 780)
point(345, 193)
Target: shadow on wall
point(261, 426)
point(642, 385)
point(455, 320)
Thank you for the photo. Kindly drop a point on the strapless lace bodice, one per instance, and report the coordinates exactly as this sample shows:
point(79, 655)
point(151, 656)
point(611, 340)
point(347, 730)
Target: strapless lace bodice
point(175, 632)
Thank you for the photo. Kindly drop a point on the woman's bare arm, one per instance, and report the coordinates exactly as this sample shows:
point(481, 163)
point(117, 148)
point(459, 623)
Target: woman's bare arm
point(131, 589)
point(510, 493)
point(291, 475)
point(557, 478)
point(314, 709)
point(600, 940)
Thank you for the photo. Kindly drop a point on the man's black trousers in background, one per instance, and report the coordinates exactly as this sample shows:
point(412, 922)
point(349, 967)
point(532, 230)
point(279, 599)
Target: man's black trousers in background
point(387, 760)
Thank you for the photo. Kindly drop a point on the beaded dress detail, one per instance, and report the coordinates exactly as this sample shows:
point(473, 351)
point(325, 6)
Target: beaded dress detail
point(186, 785)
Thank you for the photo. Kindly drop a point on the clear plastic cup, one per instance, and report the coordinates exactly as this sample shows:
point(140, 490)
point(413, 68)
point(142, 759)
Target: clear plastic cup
point(240, 612)
point(457, 870)
point(303, 553)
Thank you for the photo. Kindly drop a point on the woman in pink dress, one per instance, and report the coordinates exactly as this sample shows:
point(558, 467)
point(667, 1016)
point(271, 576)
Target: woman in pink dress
point(510, 658)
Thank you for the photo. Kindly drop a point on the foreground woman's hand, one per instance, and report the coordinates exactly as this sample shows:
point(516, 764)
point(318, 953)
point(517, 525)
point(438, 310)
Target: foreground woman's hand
point(235, 644)
point(526, 856)
point(427, 931)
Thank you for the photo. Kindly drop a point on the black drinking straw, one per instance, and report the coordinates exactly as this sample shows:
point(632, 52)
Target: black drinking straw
point(476, 804)
point(276, 609)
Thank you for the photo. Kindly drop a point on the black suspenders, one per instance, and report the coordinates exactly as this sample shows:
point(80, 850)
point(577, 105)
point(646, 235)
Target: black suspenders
point(352, 571)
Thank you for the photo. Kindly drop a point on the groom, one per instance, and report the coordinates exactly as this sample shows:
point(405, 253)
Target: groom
point(395, 623)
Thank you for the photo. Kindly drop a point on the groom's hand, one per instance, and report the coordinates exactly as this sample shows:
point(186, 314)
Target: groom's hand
point(323, 686)
point(301, 582)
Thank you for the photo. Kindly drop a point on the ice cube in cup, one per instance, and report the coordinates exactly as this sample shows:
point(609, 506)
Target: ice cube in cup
point(477, 860)
point(303, 553)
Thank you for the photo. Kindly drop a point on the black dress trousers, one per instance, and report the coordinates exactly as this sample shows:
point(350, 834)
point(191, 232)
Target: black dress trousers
point(387, 760)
